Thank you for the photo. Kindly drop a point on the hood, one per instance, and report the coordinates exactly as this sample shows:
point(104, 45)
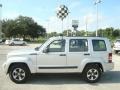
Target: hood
point(22, 52)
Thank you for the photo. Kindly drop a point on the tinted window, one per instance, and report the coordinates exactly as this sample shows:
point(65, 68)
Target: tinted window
point(99, 45)
point(118, 41)
point(78, 45)
point(16, 40)
point(57, 46)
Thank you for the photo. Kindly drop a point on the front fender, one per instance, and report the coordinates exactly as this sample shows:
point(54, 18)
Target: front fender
point(25, 60)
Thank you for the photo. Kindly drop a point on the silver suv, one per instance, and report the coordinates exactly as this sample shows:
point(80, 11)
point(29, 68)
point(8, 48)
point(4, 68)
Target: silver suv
point(90, 56)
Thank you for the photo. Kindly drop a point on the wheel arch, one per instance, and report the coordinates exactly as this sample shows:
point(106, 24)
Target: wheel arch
point(94, 63)
point(18, 63)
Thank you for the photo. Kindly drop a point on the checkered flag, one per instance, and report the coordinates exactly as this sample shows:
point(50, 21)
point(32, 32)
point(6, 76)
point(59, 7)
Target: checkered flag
point(62, 12)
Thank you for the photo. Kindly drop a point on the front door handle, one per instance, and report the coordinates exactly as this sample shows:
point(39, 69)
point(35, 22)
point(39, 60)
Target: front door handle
point(86, 54)
point(62, 54)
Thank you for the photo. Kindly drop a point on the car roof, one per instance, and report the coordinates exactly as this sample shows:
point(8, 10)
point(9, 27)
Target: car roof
point(64, 37)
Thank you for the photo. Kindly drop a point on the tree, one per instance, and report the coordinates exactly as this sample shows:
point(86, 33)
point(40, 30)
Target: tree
point(36, 30)
point(82, 33)
point(67, 32)
point(29, 27)
point(53, 34)
point(9, 28)
point(116, 33)
point(22, 27)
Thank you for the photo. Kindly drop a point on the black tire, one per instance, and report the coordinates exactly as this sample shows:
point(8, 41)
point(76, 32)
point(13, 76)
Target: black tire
point(19, 71)
point(92, 73)
point(116, 52)
point(23, 44)
point(12, 44)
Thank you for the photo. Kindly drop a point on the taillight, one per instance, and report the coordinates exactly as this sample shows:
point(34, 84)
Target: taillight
point(110, 57)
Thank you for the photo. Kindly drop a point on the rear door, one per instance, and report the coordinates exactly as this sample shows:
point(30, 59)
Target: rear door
point(99, 49)
point(78, 50)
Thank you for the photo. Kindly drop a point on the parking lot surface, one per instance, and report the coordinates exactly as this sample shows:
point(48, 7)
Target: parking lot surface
point(109, 81)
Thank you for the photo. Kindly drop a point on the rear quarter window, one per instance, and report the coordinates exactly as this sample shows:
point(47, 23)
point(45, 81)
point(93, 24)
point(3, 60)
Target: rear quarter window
point(99, 45)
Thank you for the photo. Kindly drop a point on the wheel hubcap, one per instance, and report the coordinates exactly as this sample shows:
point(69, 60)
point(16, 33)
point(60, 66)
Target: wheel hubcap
point(18, 74)
point(92, 74)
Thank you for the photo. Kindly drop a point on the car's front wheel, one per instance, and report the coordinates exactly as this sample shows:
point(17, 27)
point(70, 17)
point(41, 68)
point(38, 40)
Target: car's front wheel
point(92, 73)
point(12, 44)
point(23, 44)
point(19, 73)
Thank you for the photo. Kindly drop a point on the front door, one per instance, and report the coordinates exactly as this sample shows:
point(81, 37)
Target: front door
point(54, 59)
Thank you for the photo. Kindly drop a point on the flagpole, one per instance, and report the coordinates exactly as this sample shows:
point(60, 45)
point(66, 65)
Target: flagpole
point(97, 16)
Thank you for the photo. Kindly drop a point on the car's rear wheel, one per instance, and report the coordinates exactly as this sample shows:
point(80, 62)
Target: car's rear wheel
point(12, 44)
point(92, 73)
point(19, 73)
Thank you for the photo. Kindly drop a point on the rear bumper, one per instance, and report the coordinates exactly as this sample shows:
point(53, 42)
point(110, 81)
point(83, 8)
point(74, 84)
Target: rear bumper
point(108, 66)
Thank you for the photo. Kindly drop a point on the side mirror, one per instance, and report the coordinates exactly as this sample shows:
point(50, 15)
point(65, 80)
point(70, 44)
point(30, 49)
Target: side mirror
point(45, 50)
point(37, 48)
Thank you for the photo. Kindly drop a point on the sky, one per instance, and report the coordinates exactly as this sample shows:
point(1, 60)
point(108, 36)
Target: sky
point(44, 13)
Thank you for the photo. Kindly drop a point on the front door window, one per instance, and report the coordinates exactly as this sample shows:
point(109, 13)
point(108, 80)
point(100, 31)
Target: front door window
point(57, 46)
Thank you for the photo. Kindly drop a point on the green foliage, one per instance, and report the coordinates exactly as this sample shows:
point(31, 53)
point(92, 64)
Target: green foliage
point(52, 34)
point(67, 32)
point(37, 40)
point(116, 33)
point(22, 27)
point(41, 40)
point(109, 32)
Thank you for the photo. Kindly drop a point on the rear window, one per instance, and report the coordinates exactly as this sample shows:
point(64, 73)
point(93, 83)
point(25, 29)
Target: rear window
point(99, 45)
point(16, 40)
point(118, 41)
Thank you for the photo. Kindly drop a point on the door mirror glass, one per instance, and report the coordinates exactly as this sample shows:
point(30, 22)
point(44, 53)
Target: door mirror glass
point(45, 50)
point(37, 48)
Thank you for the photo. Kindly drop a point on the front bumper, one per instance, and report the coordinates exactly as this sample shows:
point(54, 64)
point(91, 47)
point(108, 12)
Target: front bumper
point(108, 66)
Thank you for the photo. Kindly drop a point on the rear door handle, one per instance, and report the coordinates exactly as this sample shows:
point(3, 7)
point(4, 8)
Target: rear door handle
point(86, 54)
point(62, 54)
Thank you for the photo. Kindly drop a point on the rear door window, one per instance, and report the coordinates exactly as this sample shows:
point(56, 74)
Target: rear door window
point(99, 45)
point(78, 45)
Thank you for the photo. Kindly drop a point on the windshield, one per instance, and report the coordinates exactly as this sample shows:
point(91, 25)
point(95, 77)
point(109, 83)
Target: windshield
point(38, 47)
